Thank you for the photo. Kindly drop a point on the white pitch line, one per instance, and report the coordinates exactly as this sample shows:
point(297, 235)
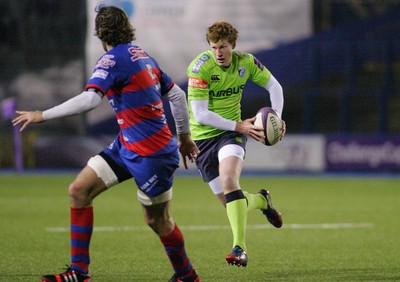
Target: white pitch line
point(226, 227)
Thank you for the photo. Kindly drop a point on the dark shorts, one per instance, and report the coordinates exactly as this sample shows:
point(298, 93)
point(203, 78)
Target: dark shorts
point(207, 161)
point(153, 175)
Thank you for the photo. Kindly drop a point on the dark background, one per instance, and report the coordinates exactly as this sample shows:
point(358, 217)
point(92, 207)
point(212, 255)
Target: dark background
point(344, 79)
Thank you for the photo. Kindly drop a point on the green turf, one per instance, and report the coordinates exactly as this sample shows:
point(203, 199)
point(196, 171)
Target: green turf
point(31, 204)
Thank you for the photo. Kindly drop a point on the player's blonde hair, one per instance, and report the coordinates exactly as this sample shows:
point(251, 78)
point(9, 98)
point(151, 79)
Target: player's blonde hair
point(222, 30)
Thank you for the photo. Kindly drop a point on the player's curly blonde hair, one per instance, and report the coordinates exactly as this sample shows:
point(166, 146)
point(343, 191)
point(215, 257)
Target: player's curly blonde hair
point(222, 30)
point(112, 26)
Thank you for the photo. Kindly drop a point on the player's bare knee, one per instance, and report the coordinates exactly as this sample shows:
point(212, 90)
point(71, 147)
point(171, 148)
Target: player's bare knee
point(229, 183)
point(74, 189)
point(78, 193)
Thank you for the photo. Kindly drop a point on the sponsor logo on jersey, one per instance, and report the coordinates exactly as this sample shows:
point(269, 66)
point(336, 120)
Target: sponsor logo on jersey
point(241, 71)
point(105, 62)
point(215, 77)
point(227, 92)
point(198, 83)
point(199, 63)
point(100, 73)
point(258, 64)
point(137, 53)
point(158, 106)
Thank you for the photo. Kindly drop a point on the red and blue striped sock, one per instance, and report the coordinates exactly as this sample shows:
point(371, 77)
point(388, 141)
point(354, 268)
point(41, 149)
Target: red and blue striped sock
point(81, 232)
point(174, 245)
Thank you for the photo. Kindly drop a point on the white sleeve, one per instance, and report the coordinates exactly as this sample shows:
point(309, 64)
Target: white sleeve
point(177, 98)
point(204, 116)
point(275, 94)
point(85, 101)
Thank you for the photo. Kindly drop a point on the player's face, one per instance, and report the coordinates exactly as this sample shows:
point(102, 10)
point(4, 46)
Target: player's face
point(222, 51)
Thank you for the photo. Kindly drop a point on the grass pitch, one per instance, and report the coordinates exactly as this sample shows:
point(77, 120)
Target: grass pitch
point(335, 229)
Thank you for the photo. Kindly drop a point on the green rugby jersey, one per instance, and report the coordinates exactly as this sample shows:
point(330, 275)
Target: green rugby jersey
point(222, 87)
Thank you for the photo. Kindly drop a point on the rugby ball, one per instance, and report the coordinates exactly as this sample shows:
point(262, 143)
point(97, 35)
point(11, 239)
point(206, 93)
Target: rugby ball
point(267, 118)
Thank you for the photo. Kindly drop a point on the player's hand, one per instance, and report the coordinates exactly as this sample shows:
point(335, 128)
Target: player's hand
point(26, 118)
point(187, 148)
point(247, 127)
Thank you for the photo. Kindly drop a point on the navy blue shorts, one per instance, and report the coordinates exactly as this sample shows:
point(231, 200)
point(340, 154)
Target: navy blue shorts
point(153, 175)
point(207, 161)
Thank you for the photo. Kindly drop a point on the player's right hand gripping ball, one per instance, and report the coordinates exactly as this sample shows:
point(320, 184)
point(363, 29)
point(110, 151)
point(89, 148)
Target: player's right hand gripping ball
point(267, 118)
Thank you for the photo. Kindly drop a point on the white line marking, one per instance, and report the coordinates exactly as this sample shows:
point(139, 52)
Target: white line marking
point(225, 227)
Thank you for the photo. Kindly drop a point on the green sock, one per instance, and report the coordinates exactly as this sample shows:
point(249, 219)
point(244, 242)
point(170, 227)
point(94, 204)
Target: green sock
point(255, 201)
point(237, 215)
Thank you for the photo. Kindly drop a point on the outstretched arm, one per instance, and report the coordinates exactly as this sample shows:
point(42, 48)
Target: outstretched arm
point(83, 102)
point(187, 148)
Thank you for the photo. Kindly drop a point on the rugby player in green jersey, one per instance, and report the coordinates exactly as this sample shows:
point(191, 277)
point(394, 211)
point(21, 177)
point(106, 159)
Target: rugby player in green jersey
point(216, 81)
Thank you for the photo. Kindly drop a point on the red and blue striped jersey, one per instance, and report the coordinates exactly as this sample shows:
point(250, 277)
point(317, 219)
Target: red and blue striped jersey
point(134, 85)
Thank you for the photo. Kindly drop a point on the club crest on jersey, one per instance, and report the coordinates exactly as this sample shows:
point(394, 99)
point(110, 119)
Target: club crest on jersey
point(105, 62)
point(241, 71)
point(196, 67)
